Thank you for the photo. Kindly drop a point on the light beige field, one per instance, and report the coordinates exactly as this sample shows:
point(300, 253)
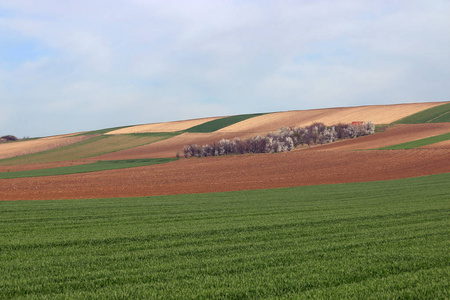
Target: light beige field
point(379, 114)
point(20, 148)
point(163, 127)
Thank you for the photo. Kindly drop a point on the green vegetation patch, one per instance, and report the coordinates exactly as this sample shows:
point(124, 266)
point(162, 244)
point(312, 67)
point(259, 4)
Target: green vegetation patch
point(91, 147)
point(86, 168)
point(437, 114)
point(217, 124)
point(419, 143)
point(378, 240)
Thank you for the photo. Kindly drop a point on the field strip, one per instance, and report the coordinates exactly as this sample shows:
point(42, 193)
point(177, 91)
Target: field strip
point(90, 148)
point(163, 127)
point(419, 143)
point(433, 114)
point(218, 124)
point(25, 147)
point(446, 114)
point(233, 173)
point(385, 239)
point(379, 114)
point(86, 168)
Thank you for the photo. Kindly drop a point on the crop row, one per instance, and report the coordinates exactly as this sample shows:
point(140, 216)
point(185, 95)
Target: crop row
point(375, 240)
point(285, 139)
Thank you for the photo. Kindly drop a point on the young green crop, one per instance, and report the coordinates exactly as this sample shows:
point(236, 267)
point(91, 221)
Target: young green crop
point(86, 168)
point(437, 114)
point(379, 240)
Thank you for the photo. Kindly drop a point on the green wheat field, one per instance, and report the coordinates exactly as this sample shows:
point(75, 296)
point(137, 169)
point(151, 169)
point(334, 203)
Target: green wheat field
point(377, 240)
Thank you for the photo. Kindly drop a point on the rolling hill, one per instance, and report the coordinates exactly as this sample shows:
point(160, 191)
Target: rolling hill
point(331, 163)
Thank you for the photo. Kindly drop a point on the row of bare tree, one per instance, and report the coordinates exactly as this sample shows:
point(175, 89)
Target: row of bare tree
point(8, 138)
point(285, 139)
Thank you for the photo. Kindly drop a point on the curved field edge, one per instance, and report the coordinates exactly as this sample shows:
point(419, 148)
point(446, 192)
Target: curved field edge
point(87, 168)
point(321, 242)
point(440, 113)
point(419, 143)
point(218, 124)
point(92, 147)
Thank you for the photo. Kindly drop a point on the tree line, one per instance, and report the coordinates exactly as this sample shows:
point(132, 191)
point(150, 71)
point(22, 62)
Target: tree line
point(285, 139)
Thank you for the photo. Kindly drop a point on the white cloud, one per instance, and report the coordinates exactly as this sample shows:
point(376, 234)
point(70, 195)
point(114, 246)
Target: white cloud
point(145, 61)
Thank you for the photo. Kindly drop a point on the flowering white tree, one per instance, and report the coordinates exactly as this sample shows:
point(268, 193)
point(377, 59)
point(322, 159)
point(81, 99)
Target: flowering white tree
point(285, 139)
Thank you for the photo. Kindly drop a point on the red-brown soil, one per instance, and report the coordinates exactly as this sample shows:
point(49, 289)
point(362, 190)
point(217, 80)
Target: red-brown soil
point(244, 172)
point(399, 134)
point(441, 145)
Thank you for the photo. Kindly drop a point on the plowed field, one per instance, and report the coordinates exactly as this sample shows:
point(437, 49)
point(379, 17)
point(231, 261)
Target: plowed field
point(392, 136)
point(213, 174)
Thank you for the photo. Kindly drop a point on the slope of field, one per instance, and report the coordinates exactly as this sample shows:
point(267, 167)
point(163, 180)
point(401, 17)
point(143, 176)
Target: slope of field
point(92, 147)
point(420, 143)
point(242, 172)
point(379, 240)
point(86, 168)
point(400, 133)
point(163, 127)
point(441, 145)
point(215, 125)
point(434, 114)
point(25, 147)
point(169, 147)
point(379, 114)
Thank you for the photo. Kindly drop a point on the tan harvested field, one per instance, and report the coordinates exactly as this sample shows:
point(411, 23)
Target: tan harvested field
point(379, 114)
point(20, 148)
point(163, 127)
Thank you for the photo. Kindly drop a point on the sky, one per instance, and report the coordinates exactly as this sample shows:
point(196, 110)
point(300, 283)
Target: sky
point(70, 66)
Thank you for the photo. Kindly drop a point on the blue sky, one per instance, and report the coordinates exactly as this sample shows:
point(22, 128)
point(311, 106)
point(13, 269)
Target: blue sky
point(69, 66)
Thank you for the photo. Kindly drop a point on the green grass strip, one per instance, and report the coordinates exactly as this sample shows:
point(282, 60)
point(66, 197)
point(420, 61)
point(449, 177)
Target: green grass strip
point(375, 240)
point(217, 124)
point(419, 143)
point(435, 114)
point(86, 168)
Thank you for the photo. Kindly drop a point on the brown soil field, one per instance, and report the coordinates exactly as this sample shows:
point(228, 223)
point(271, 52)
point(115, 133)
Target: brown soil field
point(441, 145)
point(379, 114)
point(401, 133)
point(233, 173)
point(163, 127)
point(19, 148)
